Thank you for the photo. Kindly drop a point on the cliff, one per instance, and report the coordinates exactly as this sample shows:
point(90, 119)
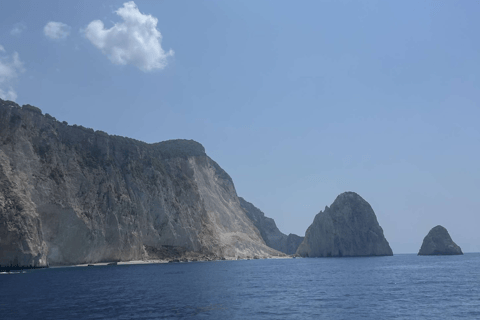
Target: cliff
point(273, 237)
point(348, 228)
point(71, 195)
point(439, 242)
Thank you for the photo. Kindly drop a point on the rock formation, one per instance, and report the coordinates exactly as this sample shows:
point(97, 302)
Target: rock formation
point(439, 242)
point(348, 228)
point(71, 195)
point(273, 237)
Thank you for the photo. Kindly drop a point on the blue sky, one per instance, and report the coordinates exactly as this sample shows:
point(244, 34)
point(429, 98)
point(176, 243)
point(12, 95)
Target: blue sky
point(297, 101)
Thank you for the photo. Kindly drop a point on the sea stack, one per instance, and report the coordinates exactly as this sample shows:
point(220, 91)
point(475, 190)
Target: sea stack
point(349, 228)
point(439, 242)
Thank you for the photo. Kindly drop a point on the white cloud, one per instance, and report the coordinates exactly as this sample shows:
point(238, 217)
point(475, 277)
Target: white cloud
point(18, 28)
point(135, 41)
point(56, 30)
point(10, 68)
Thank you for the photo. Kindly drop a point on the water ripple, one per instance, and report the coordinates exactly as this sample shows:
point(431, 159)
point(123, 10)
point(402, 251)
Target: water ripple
point(399, 287)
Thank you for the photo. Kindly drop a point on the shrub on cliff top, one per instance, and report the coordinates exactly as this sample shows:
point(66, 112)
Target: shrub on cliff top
point(48, 116)
point(31, 108)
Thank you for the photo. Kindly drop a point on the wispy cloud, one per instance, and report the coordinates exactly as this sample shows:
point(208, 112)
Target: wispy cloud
point(18, 28)
point(135, 41)
point(10, 68)
point(56, 30)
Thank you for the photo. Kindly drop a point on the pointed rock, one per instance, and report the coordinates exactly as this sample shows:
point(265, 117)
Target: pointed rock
point(348, 228)
point(439, 242)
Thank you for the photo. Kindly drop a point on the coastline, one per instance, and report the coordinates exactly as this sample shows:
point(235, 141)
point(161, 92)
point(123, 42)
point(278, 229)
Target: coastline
point(6, 270)
point(163, 261)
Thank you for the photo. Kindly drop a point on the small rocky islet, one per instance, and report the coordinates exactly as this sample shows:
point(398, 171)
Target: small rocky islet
point(438, 242)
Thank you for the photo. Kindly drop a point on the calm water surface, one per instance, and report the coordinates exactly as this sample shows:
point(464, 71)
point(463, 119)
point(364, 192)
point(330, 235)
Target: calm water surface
point(398, 287)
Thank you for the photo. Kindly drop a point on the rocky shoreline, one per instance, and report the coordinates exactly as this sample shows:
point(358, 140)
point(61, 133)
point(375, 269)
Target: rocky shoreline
point(182, 260)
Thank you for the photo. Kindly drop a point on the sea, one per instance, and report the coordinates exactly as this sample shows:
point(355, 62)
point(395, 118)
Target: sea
point(405, 286)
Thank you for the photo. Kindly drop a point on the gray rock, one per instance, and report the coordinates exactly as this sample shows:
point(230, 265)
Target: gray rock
point(439, 242)
point(273, 237)
point(69, 195)
point(349, 228)
point(292, 243)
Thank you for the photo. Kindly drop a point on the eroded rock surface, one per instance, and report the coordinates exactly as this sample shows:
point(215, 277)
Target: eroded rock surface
point(272, 236)
point(72, 195)
point(349, 228)
point(439, 242)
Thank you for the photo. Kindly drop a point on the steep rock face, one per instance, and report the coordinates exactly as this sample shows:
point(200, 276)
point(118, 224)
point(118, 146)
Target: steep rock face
point(273, 237)
point(348, 228)
point(292, 243)
point(439, 242)
point(70, 195)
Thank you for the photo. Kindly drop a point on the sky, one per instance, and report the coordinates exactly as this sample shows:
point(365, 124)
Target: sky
point(298, 101)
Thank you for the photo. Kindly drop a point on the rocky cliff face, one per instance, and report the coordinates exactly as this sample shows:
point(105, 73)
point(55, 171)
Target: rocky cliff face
point(348, 228)
point(70, 195)
point(439, 242)
point(273, 237)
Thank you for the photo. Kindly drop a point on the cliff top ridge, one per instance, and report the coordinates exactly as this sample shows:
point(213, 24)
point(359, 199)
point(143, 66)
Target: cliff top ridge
point(168, 149)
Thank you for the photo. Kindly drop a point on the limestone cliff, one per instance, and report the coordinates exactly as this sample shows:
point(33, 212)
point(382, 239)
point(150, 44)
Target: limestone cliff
point(348, 228)
point(439, 242)
point(273, 237)
point(71, 195)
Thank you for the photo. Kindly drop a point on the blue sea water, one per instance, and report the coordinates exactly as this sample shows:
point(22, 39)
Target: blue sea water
point(398, 287)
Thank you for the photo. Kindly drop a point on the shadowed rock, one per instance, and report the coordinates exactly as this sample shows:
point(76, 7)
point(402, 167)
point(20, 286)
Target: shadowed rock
point(439, 242)
point(348, 228)
point(273, 237)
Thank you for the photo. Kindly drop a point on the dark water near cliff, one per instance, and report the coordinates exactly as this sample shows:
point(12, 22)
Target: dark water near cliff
point(399, 287)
